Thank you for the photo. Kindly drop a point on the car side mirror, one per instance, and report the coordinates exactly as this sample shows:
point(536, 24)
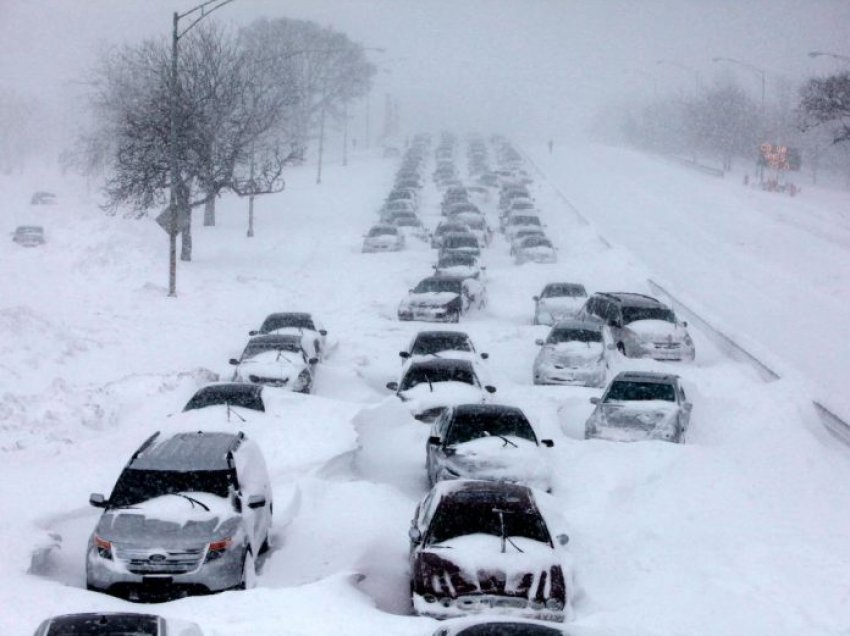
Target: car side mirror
point(490, 389)
point(685, 323)
point(415, 534)
point(256, 501)
point(594, 400)
point(434, 440)
point(253, 332)
point(548, 443)
point(313, 360)
point(324, 332)
point(392, 386)
point(97, 500)
point(484, 356)
point(233, 361)
point(563, 539)
point(539, 342)
point(404, 355)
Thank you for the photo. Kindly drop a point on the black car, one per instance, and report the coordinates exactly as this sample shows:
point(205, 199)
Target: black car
point(115, 624)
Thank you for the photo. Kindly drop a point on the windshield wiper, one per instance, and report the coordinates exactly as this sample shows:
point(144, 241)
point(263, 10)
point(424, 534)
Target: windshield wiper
point(501, 437)
point(231, 410)
point(191, 500)
point(505, 538)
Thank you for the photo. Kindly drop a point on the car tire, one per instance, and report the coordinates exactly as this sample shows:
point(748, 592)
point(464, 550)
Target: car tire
point(249, 571)
point(308, 387)
point(265, 546)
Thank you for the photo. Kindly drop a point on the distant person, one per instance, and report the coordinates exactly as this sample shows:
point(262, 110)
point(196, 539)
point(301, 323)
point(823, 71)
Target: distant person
point(551, 143)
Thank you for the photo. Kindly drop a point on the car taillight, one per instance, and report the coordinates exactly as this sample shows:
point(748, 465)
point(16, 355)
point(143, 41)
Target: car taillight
point(217, 548)
point(103, 547)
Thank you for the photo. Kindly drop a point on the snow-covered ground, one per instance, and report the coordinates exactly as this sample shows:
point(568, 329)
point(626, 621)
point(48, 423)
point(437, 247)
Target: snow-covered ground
point(741, 531)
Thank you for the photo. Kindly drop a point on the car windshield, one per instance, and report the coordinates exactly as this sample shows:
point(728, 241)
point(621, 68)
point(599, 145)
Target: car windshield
point(29, 229)
point(425, 374)
point(254, 348)
point(473, 220)
point(135, 486)
point(424, 345)
point(631, 391)
point(574, 335)
point(536, 241)
point(436, 285)
point(481, 513)
point(383, 231)
point(451, 227)
point(105, 625)
point(246, 396)
point(406, 221)
point(466, 240)
point(564, 289)
point(469, 426)
point(525, 220)
point(632, 314)
point(509, 629)
point(283, 321)
point(456, 259)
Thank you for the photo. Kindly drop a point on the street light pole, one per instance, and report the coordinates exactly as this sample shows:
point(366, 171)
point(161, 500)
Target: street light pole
point(173, 161)
point(755, 69)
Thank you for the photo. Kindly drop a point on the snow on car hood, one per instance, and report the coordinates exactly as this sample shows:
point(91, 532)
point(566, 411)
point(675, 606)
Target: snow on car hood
point(269, 364)
point(492, 458)
point(467, 271)
point(574, 352)
point(479, 556)
point(383, 239)
point(169, 520)
point(561, 305)
point(421, 397)
point(431, 299)
point(630, 421)
point(660, 329)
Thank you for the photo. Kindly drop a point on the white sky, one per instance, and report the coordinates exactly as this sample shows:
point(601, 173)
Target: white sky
point(518, 66)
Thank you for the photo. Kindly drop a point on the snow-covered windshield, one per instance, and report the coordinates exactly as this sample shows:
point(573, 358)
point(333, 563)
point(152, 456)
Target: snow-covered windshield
point(432, 285)
point(246, 396)
point(480, 513)
point(630, 390)
point(573, 335)
point(135, 486)
point(451, 227)
point(383, 231)
point(467, 426)
point(557, 290)
point(104, 625)
point(460, 240)
point(632, 314)
point(450, 373)
point(536, 241)
point(283, 321)
point(456, 259)
point(447, 341)
point(254, 348)
point(525, 220)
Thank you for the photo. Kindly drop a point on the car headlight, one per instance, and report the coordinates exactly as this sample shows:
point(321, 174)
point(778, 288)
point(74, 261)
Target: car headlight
point(216, 549)
point(103, 547)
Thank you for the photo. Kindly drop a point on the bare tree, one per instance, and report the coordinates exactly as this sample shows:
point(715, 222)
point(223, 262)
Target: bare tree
point(826, 100)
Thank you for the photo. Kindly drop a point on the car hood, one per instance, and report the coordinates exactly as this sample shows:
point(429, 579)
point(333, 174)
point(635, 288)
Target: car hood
point(661, 329)
point(578, 353)
point(422, 397)
point(494, 459)
point(475, 564)
point(170, 520)
point(270, 364)
point(630, 421)
point(560, 305)
point(431, 299)
point(467, 271)
point(383, 239)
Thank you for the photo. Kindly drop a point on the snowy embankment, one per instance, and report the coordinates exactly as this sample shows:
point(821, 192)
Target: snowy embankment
point(738, 532)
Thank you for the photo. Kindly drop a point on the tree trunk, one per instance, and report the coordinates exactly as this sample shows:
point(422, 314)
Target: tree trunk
point(209, 211)
point(186, 235)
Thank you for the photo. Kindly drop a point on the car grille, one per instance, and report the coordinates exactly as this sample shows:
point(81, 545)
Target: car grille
point(667, 345)
point(146, 561)
point(258, 379)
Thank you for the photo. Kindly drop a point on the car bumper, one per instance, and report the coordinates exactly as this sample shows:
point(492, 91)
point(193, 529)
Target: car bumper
point(569, 377)
point(440, 314)
point(371, 249)
point(681, 353)
point(517, 607)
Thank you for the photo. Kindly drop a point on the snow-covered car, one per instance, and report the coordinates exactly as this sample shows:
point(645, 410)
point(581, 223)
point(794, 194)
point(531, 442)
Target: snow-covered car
point(405, 194)
point(497, 626)
point(459, 207)
point(487, 441)
point(535, 249)
point(558, 301)
point(477, 224)
point(573, 353)
point(190, 513)
point(383, 238)
point(28, 235)
point(640, 326)
point(394, 207)
point(522, 234)
point(442, 299)
point(466, 243)
point(116, 624)
point(640, 406)
point(483, 547)
point(411, 227)
point(444, 229)
point(428, 387)
point(313, 333)
point(516, 222)
point(42, 197)
point(458, 264)
point(441, 344)
point(277, 360)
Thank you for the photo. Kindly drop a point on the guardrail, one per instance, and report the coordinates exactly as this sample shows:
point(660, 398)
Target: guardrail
point(696, 165)
point(839, 427)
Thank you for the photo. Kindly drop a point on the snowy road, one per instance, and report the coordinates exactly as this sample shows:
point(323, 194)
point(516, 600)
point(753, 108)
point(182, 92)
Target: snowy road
point(741, 531)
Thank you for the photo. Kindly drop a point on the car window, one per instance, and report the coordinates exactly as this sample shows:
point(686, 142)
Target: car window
point(461, 516)
point(573, 335)
point(632, 390)
point(248, 397)
point(136, 485)
point(467, 426)
point(632, 314)
point(423, 374)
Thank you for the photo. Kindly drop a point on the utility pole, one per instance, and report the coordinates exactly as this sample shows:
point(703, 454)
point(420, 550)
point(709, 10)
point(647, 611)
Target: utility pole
point(345, 132)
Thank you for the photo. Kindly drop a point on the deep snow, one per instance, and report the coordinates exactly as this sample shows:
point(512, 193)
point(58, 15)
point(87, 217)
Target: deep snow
point(741, 531)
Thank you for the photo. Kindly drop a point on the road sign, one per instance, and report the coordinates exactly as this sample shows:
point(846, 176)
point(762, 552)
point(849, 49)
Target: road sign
point(164, 220)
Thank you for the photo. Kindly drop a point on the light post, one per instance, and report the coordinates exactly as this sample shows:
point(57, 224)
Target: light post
point(755, 69)
point(173, 163)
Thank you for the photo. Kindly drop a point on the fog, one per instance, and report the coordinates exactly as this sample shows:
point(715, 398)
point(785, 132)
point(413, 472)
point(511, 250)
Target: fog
point(529, 68)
